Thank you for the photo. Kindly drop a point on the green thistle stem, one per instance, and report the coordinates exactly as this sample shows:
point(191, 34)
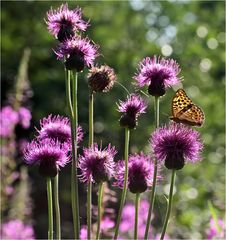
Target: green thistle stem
point(123, 197)
point(100, 197)
point(57, 207)
point(136, 215)
point(152, 198)
point(166, 221)
point(89, 208)
point(50, 208)
point(89, 187)
point(73, 114)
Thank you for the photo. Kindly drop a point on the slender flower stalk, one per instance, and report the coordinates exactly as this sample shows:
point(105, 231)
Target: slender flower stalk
point(123, 197)
point(152, 197)
point(73, 119)
point(136, 215)
point(57, 207)
point(91, 97)
point(89, 208)
point(50, 208)
point(169, 205)
point(100, 198)
point(89, 186)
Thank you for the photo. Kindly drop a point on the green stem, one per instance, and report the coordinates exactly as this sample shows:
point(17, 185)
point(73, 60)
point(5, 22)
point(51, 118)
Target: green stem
point(123, 197)
point(89, 209)
point(73, 114)
point(152, 197)
point(57, 207)
point(91, 119)
point(136, 215)
point(100, 197)
point(169, 205)
point(89, 187)
point(50, 208)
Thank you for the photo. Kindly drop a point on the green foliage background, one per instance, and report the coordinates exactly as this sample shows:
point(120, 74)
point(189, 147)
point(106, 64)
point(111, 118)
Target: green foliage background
point(127, 31)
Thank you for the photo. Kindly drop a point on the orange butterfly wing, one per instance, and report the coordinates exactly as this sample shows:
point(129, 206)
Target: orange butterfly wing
point(185, 111)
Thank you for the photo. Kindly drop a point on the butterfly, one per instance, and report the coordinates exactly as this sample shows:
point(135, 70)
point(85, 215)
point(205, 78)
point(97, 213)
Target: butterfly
point(185, 111)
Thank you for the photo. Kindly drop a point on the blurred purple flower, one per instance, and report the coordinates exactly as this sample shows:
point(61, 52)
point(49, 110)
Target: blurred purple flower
point(64, 23)
point(141, 171)
point(176, 143)
point(78, 52)
point(16, 229)
point(97, 165)
point(58, 128)
point(24, 117)
point(50, 155)
point(132, 108)
point(8, 120)
point(83, 233)
point(158, 74)
point(128, 218)
point(106, 224)
point(214, 231)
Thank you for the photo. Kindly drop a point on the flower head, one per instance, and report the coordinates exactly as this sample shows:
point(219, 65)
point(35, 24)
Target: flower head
point(176, 143)
point(50, 155)
point(141, 171)
point(97, 165)
point(58, 128)
point(132, 108)
point(158, 74)
point(79, 52)
point(64, 23)
point(24, 115)
point(8, 120)
point(16, 229)
point(101, 79)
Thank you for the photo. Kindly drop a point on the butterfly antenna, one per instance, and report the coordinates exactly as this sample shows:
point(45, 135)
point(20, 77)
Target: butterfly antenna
point(123, 87)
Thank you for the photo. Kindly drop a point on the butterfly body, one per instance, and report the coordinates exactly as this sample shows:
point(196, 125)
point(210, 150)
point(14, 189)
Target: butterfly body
point(185, 111)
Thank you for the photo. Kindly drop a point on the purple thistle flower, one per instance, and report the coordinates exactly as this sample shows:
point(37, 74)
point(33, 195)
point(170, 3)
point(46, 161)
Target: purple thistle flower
point(78, 52)
point(176, 143)
point(16, 229)
point(24, 117)
point(64, 23)
point(158, 74)
point(141, 171)
point(8, 120)
point(132, 108)
point(97, 165)
point(58, 128)
point(50, 155)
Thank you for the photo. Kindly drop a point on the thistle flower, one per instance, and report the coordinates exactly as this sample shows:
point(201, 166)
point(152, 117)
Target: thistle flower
point(132, 108)
point(24, 115)
point(64, 23)
point(58, 128)
point(8, 120)
point(101, 79)
point(50, 155)
point(78, 52)
point(176, 143)
point(16, 229)
point(158, 74)
point(141, 171)
point(97, 165)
